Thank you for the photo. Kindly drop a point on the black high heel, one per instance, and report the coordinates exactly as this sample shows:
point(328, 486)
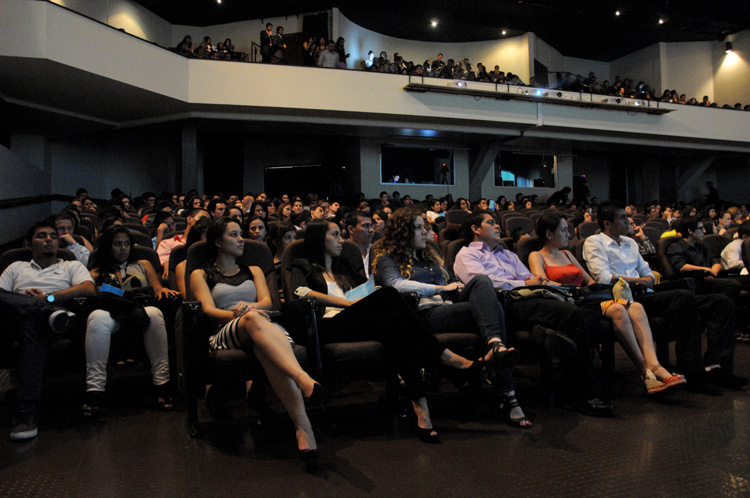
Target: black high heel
point(507, 403)
point(427, 436)
point(459, 377)
point(318, 396)
point(503, 357)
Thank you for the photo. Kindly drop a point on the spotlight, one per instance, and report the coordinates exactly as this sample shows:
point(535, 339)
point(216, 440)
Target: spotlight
point(617, 12)
point(218, 1)
point(434, 22)
point(505, 32)
point(661, 21)
point(729, 49)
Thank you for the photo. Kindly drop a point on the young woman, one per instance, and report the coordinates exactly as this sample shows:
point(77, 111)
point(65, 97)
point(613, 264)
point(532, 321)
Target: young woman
point(382, 316)
point(257, 228)
point(559, 266)
point(258, 208)
point(235, 297)
point(117, 266)
point(285, 212)
point(405, 262)
point(379, 221)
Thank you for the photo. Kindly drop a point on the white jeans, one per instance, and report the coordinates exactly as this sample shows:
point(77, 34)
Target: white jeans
point(99, 329)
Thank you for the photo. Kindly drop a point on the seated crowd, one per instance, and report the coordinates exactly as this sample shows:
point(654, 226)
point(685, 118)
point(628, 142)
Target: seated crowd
point(322, 52)
point(467, 262)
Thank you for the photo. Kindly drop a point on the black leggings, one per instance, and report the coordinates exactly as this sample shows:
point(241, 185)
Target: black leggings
point(385, 317)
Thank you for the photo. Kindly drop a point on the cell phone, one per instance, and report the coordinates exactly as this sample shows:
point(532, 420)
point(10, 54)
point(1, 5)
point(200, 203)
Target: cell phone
point(492, 205)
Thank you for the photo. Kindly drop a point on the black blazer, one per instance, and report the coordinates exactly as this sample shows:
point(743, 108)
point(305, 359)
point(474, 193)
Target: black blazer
point(304, 275)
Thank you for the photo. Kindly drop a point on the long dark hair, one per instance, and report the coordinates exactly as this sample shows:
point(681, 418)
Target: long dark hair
point(105, 260)
point(214, 234)
point(315, 242)
point(276, 233)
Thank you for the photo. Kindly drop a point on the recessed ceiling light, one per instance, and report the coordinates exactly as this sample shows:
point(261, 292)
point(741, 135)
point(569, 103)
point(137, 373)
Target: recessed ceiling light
point(505, 32)
point(617, 12)
point(661, 21)
point(434, 22)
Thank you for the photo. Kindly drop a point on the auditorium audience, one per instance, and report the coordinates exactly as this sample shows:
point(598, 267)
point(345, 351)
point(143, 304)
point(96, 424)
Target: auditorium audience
point(618, 251)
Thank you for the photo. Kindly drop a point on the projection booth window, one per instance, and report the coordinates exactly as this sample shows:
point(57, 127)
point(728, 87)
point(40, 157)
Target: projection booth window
point(514, 169)
point(419, 165)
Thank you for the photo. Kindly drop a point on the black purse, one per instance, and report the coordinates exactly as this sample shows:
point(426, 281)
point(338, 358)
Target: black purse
point(594, 293)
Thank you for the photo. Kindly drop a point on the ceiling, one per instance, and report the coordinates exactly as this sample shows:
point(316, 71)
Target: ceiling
point(578, 28)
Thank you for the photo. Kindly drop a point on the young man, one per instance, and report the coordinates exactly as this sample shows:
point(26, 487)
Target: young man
point(216, 207)
point(31, 293)
point(484, 255)
point(361, 232)
point(610, 256)
point(65, 224)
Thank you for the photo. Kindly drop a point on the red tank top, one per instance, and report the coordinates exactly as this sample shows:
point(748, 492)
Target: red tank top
point(568, 274)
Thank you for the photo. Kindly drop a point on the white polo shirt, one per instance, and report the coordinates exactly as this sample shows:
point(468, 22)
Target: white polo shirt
point(23, 275)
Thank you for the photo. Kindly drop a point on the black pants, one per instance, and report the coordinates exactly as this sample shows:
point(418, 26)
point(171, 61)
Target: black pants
point(25, 320)
point(578, 375)
point(385, 317)
point(687, 315)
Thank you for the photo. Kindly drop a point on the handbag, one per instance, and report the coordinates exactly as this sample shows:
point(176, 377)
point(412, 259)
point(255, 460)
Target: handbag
point(539, 292)
point(594, 293)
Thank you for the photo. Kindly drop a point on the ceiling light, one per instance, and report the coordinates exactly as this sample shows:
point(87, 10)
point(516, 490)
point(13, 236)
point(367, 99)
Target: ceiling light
point(729, 48)
point(218, 1)
point(434, 22)
point(661, 21)
point(505, 32)
point(617, 12)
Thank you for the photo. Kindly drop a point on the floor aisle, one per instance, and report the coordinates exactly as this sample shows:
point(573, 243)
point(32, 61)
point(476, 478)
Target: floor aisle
point(681, 446)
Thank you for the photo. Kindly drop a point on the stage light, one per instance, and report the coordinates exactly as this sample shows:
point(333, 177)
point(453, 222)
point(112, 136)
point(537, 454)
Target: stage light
point(729, 49)
point(538, 92)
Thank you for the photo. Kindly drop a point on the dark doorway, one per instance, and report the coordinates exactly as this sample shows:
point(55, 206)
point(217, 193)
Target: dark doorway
point(223, 164)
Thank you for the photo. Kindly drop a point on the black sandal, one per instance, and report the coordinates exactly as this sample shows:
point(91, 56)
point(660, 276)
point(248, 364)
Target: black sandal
point(506, 404)
point(92, 407)
point(503, 357)
point(164, 399)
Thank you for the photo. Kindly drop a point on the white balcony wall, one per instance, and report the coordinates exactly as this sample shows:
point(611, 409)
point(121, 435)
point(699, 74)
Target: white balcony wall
point(511, 54)
point(732, 71)
point(124, 14)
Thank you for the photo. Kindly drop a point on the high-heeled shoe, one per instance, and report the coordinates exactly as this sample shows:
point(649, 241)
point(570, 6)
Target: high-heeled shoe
point(459, 377)
point(506, 404)
point(503, 357)
point(428, 436)
point(318, 396)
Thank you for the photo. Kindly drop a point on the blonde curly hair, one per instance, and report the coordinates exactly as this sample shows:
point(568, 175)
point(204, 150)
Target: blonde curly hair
point(397, 242)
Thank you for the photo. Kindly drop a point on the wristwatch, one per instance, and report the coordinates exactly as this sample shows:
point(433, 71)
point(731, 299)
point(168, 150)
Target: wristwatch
point(50, 298)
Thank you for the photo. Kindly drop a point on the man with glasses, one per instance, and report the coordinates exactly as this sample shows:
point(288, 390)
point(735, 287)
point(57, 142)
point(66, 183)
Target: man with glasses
point(610, 256)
